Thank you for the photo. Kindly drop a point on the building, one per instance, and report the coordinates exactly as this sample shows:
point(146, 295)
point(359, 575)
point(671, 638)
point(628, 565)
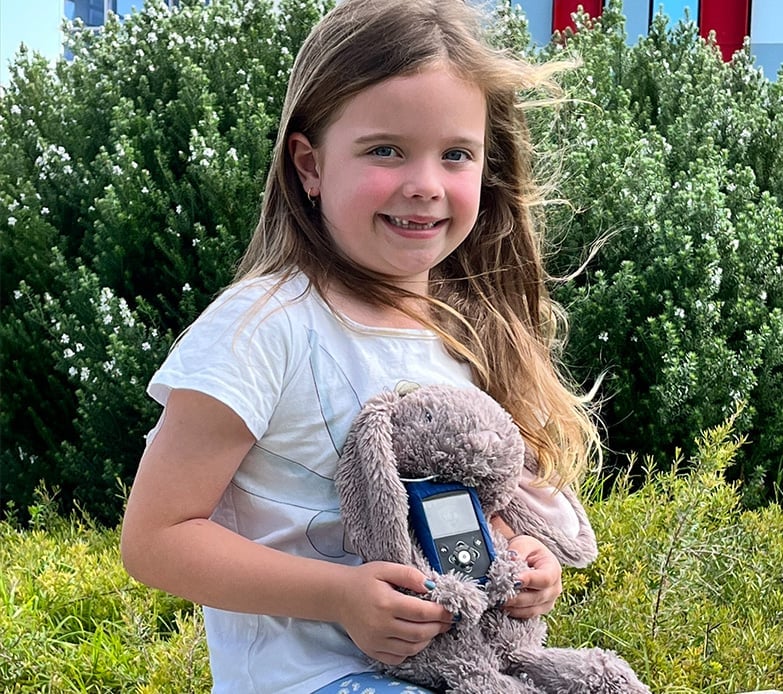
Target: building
point(732, 21)
point(93, 12)
point(37, 22)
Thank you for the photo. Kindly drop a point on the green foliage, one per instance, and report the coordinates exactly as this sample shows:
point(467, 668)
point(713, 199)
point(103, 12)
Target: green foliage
point(673, 158)
point(688, 587)
point(130, 182)
point(72, 620)
point(131, 178)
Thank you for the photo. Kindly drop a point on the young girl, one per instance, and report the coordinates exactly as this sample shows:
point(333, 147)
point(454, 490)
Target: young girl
point(396, 243)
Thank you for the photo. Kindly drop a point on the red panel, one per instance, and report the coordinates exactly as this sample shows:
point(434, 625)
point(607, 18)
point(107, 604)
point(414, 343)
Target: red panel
point(730, 19)
point(562, 10)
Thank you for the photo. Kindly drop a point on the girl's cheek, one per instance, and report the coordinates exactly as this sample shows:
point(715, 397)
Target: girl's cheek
point(467, 191)
point(377, 183)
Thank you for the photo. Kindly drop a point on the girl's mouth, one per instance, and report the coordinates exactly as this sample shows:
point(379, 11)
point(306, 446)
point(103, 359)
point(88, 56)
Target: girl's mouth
point(412, 226)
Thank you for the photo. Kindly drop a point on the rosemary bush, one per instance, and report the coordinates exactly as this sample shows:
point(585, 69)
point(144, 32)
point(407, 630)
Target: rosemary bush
point(674, 159)
point(130, 182)
point(131, 178)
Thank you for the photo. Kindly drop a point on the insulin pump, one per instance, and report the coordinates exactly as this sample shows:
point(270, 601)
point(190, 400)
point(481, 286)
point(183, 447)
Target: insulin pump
point(447, 520)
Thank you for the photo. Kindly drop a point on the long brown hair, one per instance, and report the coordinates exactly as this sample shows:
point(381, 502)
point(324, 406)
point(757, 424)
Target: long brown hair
point(490, 302)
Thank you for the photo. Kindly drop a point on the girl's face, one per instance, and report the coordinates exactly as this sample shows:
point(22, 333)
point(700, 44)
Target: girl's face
point(399, 171)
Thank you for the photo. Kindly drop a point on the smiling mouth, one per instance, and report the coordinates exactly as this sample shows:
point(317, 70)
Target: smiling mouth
point(413, 226)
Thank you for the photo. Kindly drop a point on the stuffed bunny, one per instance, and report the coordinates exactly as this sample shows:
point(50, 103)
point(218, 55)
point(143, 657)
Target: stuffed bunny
point(463, 435)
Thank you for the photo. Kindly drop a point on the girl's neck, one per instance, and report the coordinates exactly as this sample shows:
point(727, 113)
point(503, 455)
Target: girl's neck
point(345, 302)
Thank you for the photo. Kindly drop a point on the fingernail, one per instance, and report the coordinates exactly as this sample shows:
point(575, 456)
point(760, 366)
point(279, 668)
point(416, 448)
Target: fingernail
point(512, 554)
point(519, 585)
point(455, 619)
point(429, 584)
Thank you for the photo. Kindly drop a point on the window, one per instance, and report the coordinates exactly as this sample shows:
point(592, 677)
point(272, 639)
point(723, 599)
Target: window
point(91, 12)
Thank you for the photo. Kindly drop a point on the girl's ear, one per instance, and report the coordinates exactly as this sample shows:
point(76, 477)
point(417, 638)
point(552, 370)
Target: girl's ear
point(305, 159)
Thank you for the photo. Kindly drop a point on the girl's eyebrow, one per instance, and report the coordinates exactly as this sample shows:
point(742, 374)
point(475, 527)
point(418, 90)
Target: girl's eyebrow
point(371, 138)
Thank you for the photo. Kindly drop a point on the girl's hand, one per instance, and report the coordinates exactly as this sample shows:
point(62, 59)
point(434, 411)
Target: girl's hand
point(541, 583)
point(384, 623)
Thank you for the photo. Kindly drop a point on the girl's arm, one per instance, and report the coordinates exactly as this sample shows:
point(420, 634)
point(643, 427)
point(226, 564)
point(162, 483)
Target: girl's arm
point(169, 542)
point(541, 583)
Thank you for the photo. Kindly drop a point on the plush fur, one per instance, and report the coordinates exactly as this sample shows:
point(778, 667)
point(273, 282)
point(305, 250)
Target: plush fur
point(465, 436)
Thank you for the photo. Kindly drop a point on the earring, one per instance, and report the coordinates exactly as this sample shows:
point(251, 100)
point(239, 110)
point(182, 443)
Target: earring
point(312, 197)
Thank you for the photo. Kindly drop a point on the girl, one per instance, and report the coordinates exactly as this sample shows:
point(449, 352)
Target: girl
point(396, 244)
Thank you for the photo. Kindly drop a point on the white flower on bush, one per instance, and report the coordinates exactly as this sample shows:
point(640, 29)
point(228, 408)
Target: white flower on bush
point(715, 276)
point(126, 315)
point(11, 221)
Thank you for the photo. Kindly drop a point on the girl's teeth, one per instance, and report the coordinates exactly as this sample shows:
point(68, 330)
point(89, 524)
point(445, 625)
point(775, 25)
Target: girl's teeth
point(405, 224)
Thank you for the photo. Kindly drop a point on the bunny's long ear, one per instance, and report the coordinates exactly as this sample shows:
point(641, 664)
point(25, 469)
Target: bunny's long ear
point(557, 518)
point(373, 500)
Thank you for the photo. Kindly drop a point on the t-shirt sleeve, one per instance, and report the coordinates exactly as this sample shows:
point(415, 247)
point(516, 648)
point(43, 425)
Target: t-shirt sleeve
point(237, 352)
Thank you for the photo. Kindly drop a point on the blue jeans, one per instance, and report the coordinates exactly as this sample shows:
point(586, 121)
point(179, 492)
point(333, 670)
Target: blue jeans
point(371, 683)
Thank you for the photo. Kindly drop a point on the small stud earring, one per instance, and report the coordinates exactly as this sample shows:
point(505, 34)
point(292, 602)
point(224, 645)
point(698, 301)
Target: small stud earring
point(312, 198)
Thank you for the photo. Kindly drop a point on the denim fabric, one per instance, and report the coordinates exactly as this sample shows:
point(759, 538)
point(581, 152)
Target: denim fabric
point(371, 683)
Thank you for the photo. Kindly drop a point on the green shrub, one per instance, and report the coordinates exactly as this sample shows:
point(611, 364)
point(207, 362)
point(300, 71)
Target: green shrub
point(675, 158)
point(130, 182)
point(131, 178)
point(688, 587)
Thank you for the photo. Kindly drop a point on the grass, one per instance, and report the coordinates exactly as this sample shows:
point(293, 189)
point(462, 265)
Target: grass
point(72, 620)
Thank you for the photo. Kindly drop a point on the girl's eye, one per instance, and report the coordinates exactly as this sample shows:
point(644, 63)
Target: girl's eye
point(458, 155)
point(384, 151)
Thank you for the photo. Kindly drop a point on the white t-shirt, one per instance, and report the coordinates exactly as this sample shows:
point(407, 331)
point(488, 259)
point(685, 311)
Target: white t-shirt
point(297, 375)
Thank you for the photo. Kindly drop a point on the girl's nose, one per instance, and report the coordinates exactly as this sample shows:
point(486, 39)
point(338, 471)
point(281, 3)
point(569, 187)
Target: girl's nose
point(423, 180)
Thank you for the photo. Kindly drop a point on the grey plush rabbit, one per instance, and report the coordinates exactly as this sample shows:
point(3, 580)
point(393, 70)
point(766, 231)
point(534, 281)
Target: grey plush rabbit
point(463, 435)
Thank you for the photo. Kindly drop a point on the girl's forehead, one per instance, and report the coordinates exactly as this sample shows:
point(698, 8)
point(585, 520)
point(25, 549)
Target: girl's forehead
point(417, 88)
point(416, 99)
point(439, 66)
